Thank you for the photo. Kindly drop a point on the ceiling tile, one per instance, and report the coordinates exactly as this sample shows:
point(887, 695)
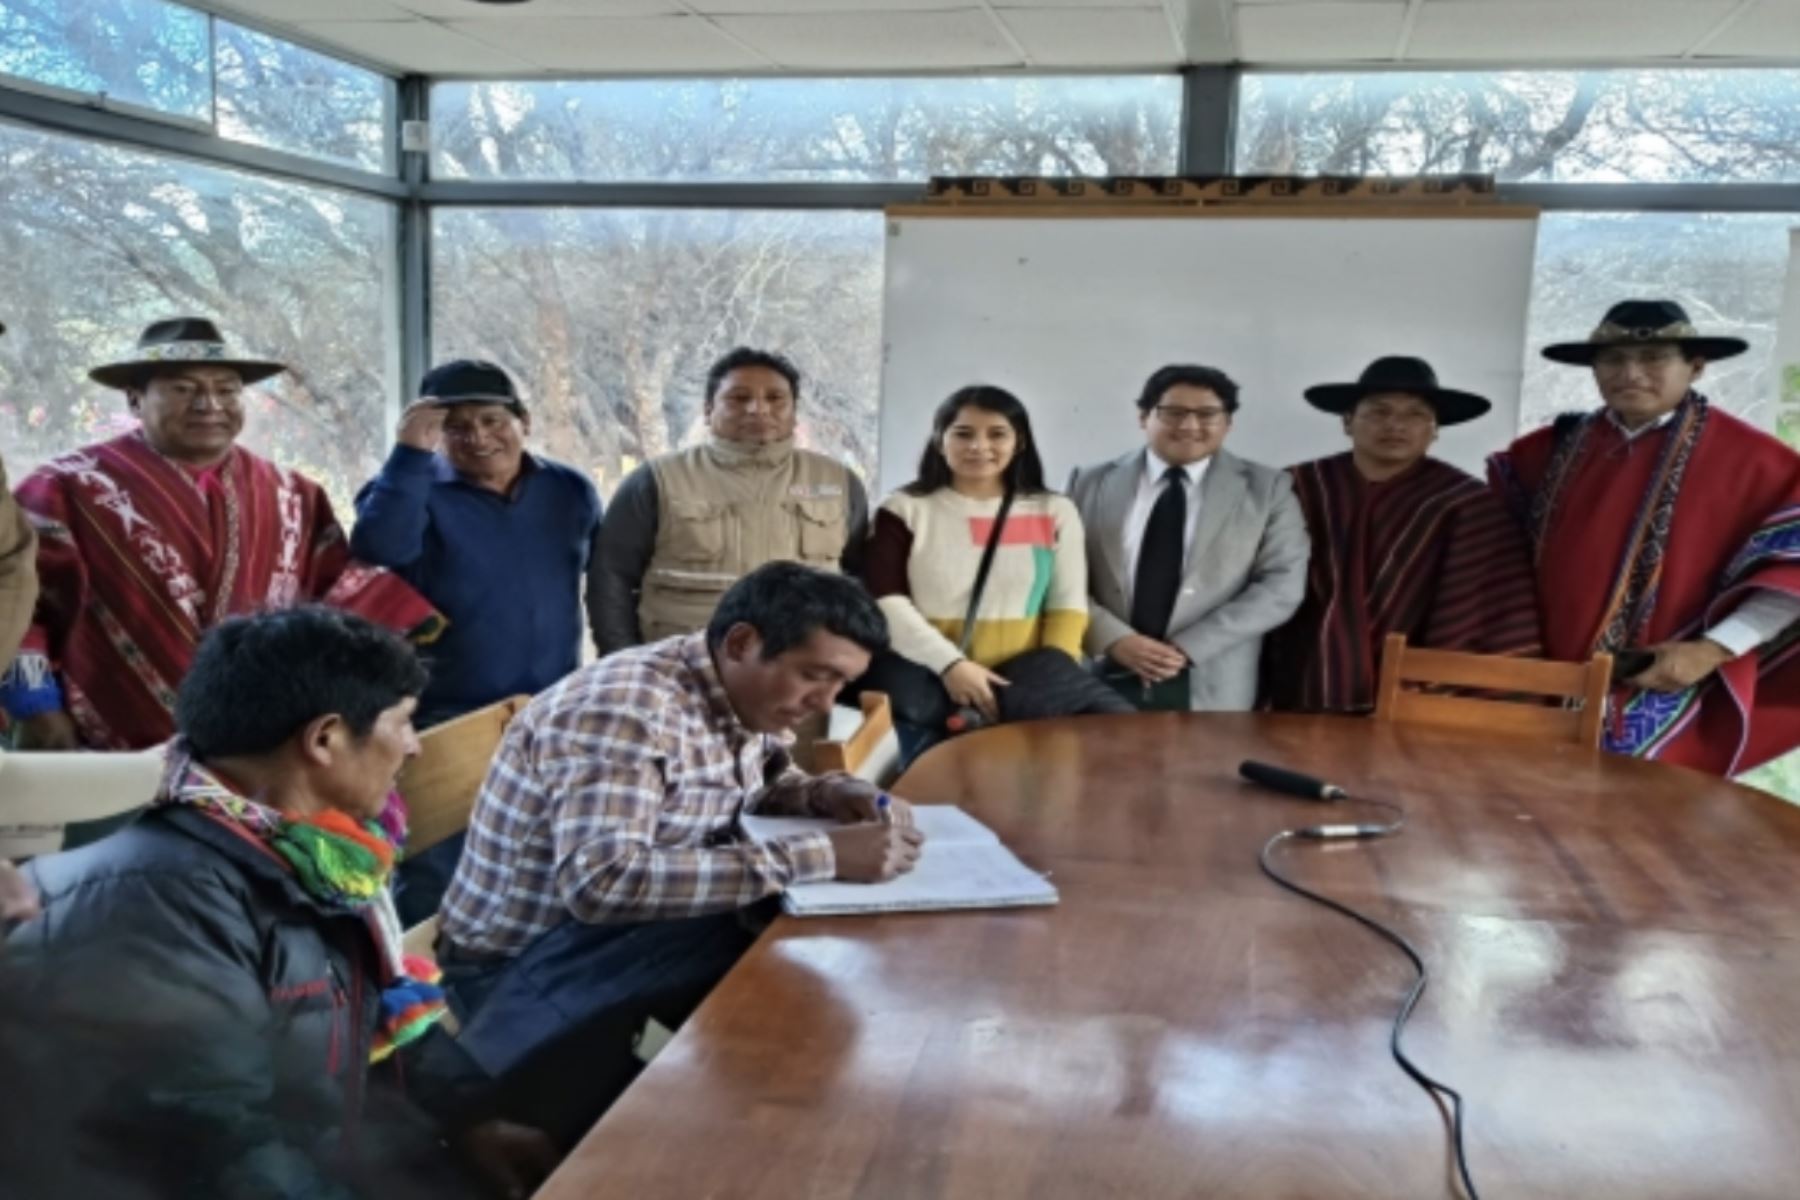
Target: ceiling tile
point(416, 46)
point(468, 10)
point(1319, 31)
point(622, 44)
point(1066, 37)
point(1770, 30)
point(1552, 30)
point(781, 7)
point(1052, 4)
point(290, 12)
point(876, 41)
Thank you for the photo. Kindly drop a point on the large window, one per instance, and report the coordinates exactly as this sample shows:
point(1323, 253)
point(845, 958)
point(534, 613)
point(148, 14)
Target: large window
point(100, 241)
point(142, 53)
point(276, 94)
point(1621, 126)
point(180, 62)
point(610, 317)
point(830, 130)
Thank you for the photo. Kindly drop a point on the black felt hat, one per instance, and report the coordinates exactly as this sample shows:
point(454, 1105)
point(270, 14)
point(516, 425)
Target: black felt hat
point(1644, 323)
point(181, 342)
point(1397, 373)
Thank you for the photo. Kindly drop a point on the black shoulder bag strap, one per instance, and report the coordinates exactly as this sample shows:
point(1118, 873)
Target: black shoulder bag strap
point(981, 573)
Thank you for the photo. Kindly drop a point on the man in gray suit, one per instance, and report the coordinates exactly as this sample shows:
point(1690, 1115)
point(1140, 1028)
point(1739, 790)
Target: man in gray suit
point(1193, 553)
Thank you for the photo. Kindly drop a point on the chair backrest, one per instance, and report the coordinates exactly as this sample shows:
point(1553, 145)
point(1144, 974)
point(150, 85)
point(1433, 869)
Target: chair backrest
point(42, 791)
point(1581, 686)
point(441, 782)
point(870, 750)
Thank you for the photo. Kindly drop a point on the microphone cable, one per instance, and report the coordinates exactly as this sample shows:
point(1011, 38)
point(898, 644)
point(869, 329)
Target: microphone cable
point(1436, 1089)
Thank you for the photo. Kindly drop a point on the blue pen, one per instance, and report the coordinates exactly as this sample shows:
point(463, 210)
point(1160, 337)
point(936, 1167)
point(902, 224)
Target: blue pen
point(883, 812)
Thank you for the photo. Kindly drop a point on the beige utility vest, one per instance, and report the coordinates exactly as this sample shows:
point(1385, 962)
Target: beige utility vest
point(724, 509)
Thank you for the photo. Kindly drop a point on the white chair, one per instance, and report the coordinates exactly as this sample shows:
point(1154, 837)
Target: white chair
point(42, 792)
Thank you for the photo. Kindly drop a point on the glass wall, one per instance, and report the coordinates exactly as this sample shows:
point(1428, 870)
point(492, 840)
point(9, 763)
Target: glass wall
point(181, 63)
point(806, 130)
point(276, 94)
point(610, 317)
point(1633, 126)
point(142, 53)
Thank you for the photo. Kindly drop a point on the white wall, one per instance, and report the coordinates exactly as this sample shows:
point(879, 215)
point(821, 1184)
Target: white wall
point(1073, 313)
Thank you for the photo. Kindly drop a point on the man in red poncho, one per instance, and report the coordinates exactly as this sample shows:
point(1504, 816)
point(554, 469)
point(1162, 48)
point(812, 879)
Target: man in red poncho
point(1401, 543)
point(150, 539)
point(1667, 531)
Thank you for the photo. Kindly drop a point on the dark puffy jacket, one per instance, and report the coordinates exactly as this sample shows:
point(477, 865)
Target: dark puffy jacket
point(183, 1020)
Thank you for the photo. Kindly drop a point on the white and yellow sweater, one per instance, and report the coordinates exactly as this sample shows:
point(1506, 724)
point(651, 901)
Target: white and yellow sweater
point(921, 565)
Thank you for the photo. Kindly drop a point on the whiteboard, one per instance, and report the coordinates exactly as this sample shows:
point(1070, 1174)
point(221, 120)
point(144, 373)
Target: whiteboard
point(1072, 314)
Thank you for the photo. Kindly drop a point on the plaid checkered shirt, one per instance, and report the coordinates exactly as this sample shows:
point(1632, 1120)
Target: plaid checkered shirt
point(615, 798)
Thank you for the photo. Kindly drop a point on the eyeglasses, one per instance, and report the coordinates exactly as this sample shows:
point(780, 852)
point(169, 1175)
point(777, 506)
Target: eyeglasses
point(1175, 416)
point(1616, 360)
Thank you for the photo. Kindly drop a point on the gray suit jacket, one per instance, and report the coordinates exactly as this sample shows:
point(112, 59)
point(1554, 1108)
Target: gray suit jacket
point(1246, 569)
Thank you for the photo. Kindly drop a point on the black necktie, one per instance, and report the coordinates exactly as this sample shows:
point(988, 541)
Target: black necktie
point(1159, 558)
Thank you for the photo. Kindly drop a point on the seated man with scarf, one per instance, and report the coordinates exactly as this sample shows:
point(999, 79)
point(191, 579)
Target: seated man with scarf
point(214, 1001)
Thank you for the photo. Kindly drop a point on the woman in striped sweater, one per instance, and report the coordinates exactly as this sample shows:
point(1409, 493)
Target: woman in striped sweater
point(1023, 656)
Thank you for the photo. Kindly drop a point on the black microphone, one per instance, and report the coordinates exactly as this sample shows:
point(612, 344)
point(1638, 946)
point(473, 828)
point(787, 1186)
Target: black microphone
point(1280, 779)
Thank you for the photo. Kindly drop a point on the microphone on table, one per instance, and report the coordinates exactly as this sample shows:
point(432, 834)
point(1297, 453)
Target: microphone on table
point(1293, 783)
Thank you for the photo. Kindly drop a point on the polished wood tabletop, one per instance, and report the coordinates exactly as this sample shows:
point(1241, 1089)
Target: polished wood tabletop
point(1615, 958)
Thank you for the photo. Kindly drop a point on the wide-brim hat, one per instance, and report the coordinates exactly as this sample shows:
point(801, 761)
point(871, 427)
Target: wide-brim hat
point(1397, 373)
point(1645, 323)
point(181, 342)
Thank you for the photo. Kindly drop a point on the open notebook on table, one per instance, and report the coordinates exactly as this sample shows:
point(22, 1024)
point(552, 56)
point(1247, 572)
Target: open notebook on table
point(963, 865)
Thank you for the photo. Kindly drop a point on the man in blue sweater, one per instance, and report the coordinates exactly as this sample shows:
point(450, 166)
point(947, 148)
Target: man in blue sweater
point(497, 539)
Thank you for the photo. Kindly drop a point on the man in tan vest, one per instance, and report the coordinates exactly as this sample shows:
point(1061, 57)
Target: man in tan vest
point(683, 528)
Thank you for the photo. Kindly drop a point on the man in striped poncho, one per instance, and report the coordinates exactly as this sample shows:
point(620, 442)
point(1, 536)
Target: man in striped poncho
point(1401, 543)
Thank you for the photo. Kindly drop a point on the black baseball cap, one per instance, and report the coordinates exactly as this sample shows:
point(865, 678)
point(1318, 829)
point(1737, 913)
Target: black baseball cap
point(469, 381)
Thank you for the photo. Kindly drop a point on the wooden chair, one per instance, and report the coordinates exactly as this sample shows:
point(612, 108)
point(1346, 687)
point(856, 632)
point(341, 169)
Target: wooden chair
point(441, 782)
point(868, 748)
point(1581, 686)
point(41, 792)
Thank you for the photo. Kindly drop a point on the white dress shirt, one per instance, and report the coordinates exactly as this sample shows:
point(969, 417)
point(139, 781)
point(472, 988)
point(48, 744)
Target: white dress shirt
point(1149, 488)
point(1760, 617)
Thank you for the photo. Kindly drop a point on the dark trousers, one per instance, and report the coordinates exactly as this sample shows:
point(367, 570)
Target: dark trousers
point(555, 1024)
point(1044, 683)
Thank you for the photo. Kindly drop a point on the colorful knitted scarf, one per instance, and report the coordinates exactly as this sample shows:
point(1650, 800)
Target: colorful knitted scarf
point(338, 861)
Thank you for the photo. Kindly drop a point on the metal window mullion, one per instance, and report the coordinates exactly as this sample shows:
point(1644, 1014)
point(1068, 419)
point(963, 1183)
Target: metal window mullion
point(1208, 119)
point(414, 104)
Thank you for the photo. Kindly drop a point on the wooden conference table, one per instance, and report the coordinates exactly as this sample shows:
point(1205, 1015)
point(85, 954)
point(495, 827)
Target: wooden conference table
point(1615, 952)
